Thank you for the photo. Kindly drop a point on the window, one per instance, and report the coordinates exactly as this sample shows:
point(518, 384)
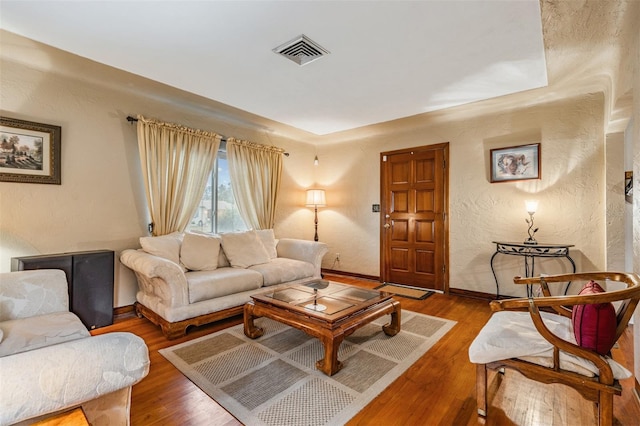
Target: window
point(218, 212)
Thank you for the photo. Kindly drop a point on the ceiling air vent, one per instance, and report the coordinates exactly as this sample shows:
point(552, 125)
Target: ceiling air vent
point(301, 50)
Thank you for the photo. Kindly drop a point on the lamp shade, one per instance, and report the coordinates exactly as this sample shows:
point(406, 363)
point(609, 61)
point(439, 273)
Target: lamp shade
point(532, 206)
point(315, 198)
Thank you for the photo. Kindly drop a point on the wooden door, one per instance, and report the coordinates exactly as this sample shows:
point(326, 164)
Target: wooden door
point(414, 230)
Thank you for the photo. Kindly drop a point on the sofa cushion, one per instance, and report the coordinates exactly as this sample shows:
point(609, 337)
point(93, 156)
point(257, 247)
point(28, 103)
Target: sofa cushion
point(199, 252)
point(282, 270)
point(25, 334)
point(205, 285)
point(268, 240)
point(165, 246)
point(244, 249)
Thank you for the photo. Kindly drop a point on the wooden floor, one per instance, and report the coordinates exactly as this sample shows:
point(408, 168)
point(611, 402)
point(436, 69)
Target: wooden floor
point(439, 389)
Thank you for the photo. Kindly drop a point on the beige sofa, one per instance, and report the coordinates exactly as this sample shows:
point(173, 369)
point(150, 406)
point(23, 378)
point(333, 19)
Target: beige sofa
point(187, 279)
point(49, 363)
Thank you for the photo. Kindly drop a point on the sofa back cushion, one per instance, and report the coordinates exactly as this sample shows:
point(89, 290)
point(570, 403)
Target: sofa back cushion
point(268, 240)
point(24, 294)
point(244, 249)
point(165, 246)
point(200, 252)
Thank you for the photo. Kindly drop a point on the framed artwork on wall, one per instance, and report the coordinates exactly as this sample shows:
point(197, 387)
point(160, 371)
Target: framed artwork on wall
point(29, 152)
point(515, 163)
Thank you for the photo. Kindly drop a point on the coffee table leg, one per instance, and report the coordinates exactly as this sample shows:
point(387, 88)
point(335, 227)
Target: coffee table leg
point(250, 330)
point(330, 365)
point(393, 327)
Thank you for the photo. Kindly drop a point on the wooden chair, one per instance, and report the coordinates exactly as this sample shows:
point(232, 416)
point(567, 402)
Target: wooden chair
point(556, 316)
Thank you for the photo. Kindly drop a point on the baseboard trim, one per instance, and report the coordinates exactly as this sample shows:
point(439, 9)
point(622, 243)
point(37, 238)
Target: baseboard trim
point(471, 294)
point(351, 274)
point(123, 310)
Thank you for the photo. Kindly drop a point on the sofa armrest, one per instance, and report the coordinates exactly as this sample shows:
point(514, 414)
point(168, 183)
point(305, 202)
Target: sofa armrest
point(157, 277)
point(56, 377)
point(308, 251)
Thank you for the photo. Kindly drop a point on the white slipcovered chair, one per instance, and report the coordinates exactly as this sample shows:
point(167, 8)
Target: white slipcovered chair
point(568, 343)
point(49, 362)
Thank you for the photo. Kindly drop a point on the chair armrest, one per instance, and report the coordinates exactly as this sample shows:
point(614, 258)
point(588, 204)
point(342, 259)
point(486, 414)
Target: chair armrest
point(632, 292)
point(559, 344)
point(55, 377)
point(307, 251)
point(628, 296)
point(158, 277)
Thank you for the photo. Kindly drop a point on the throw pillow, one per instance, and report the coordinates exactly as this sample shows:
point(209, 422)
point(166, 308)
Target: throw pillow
point(165, 246)
point(269, 241)
point(244, 249)
point(199, 252)
point(594, 326)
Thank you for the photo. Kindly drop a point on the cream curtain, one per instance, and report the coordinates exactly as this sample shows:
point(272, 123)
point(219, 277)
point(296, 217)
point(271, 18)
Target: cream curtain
point(176, 162)
point(255, 178)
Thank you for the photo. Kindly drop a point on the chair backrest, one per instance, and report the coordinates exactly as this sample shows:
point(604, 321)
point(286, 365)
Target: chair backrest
point(628, 297)
point(25, 294)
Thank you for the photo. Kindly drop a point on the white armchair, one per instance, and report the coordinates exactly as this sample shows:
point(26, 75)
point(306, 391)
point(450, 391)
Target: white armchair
point(50, 363)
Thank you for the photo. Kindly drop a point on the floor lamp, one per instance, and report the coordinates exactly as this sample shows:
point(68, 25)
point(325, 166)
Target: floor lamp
point(315, 199)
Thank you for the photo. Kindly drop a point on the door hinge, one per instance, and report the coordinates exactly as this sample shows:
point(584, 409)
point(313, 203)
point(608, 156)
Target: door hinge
point(384, 158)
point(444, 269)
point(444, 164)
point(444, 216)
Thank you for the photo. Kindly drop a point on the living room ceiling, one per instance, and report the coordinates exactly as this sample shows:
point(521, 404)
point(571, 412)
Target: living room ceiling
point(387, 59)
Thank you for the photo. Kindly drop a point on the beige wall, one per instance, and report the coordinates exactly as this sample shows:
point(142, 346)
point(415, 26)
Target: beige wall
point(571, 191)
point(100, 203)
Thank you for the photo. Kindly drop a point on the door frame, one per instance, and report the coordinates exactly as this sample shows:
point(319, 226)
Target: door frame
point(444, 146)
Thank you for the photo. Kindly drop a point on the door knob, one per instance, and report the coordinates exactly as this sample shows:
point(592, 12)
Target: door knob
point(386, 225)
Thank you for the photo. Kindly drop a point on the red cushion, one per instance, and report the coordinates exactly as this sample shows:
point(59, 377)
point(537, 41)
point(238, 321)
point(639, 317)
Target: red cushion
point(594, 325)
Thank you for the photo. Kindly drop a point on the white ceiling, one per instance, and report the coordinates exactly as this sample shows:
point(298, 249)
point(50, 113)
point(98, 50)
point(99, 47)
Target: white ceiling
point(388, 59)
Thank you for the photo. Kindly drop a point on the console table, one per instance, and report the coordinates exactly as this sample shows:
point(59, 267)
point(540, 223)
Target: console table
point(529, 252)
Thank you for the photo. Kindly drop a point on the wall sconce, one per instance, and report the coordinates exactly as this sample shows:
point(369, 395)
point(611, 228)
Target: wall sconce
point(315, 199)
point(532, 206)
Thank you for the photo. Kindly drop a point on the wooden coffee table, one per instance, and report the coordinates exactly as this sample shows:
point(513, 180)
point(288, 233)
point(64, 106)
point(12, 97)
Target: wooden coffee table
point(346, 308)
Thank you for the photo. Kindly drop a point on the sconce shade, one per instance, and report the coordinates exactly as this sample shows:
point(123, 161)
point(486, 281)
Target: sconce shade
point(316, 198)
point(532, 206)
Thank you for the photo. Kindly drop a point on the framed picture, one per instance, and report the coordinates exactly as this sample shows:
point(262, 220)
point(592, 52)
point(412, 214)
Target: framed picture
point(29, 152)
point(515, 163)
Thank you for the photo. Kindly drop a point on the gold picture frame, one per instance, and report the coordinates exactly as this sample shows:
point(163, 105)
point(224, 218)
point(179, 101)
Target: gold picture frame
point(29, 152)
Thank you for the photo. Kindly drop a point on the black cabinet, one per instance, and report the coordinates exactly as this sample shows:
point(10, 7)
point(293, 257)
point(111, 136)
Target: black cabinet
point(90, 280)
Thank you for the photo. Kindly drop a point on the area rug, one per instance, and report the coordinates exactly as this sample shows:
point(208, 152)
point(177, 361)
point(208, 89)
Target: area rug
point(273, 381)
point(405, 291)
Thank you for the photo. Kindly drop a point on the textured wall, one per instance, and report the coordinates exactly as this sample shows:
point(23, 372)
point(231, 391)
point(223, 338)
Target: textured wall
point(101, 202)
point(571, 191)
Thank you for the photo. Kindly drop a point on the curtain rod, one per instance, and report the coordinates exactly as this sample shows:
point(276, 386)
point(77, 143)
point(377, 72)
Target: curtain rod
point(131, 119)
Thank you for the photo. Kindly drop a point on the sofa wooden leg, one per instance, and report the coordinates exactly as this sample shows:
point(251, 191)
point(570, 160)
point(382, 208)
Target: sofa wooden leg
point(172, 332)
point(481, 389)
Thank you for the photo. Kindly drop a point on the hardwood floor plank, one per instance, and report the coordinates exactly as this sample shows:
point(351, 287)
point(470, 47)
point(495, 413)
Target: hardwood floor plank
point(438, 389)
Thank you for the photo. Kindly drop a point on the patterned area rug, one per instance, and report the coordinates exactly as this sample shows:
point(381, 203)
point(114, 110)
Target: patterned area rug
point(273, 380)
